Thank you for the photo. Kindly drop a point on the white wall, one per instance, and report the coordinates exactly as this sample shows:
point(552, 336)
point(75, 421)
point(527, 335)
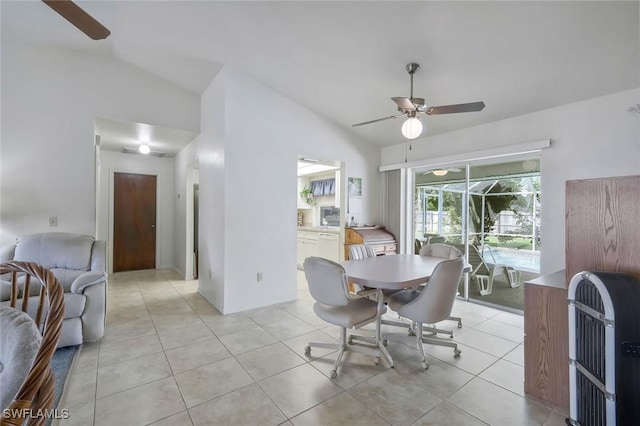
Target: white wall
point(211, 148)
point(248, 148)
point(50, 98)
point(115, 162)
point(590, 139)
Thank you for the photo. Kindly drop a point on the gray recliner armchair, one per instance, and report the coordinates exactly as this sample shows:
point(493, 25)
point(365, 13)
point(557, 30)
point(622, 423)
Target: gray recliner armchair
point(79, 264)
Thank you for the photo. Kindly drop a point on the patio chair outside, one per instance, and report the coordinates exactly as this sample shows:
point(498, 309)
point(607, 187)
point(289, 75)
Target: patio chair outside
point(484, 273)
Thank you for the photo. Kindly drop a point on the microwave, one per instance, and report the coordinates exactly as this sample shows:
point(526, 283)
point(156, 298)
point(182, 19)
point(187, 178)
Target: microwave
point(331, 214)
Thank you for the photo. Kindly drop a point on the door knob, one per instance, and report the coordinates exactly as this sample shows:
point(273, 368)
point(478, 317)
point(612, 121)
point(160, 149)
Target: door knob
point(153, 226)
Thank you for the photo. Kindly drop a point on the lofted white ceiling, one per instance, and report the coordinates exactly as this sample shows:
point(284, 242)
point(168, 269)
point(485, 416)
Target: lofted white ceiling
point(344, 60)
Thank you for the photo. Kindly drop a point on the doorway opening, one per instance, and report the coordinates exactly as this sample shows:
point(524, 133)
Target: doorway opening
point(192, 197)
point(320, 209)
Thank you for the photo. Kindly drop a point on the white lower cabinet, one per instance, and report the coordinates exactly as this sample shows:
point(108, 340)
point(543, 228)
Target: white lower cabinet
point(321, 244)
point(329, 246)
point(307, 246)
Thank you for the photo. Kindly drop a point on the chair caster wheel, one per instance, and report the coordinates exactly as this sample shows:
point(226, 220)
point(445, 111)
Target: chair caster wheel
point(377, 361)
point(456, 353)
point(334, 374)
point(412, 332)
point(350, 341)
point(460, 324)
point(307, 350)
point(385, 342)
point(451, 335)
point(425, 365)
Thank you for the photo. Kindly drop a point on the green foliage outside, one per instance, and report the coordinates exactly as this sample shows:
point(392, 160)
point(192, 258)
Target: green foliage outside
point(505, 195)
point(493, 205)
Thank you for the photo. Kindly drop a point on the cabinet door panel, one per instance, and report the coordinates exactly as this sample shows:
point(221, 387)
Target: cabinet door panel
point(300, 252)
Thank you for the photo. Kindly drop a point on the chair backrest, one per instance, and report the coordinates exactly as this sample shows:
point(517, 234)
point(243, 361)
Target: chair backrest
point(478, 265)
point(37, 390)
point(67, 255)
point(56, 250)
point(327, 281)
point(417, 245)
point(435, 302)
point(443, 251)
point(361, 251)
point(483, 250)
point(436, 239)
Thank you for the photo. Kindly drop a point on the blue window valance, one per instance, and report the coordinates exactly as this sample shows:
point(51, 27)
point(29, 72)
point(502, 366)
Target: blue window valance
point(323, 187)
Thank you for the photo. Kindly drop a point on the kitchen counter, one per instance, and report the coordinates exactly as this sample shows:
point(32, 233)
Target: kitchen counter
point(324, 229)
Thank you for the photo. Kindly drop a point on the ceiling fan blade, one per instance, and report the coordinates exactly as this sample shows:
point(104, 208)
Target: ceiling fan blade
point(404, 104)
point(450, 109)
point(375, 121)
point(78, 17)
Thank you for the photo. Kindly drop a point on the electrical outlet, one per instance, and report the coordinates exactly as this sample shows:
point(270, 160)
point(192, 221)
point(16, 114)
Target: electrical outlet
point(53, 221)
point(259, 276)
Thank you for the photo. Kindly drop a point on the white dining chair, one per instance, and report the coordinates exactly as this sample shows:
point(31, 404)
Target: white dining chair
point(443, 251)
point(334, 304)
point(429, 306)
point(361, 251)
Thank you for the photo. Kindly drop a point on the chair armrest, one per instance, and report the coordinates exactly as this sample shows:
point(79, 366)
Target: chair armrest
point(99, 256)
point(87, 279)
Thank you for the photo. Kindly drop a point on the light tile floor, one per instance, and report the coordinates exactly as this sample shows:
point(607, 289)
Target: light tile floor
point(170, 358)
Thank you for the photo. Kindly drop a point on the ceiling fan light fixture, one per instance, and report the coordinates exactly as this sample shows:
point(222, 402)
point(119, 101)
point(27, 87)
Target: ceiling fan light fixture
point(144, 149)
point(440, 172)
point(411, 128)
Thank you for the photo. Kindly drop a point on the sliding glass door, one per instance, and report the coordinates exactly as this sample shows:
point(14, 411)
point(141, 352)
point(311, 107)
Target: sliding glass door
point(494, 214)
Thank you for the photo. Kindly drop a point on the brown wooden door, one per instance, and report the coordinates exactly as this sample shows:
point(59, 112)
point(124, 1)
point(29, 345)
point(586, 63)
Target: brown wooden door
point(134, 222)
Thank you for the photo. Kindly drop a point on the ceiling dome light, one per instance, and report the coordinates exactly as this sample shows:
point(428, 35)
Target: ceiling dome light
point(440, 172)
point(412, 128)
point(144, 149)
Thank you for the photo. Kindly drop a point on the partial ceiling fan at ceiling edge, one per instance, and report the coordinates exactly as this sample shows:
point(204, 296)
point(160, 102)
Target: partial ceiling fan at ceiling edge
point(411, 107)
point(79, 18)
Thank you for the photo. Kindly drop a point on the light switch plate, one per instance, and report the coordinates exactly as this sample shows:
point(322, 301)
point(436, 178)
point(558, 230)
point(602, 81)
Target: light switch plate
point(53, 221)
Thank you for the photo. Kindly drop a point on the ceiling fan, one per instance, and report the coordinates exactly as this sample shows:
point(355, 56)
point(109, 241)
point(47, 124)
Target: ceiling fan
point(78, 17)
point(411, 107)
point(443, 171)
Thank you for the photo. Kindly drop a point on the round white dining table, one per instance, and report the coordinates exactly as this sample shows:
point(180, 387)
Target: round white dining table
point(391, 272)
